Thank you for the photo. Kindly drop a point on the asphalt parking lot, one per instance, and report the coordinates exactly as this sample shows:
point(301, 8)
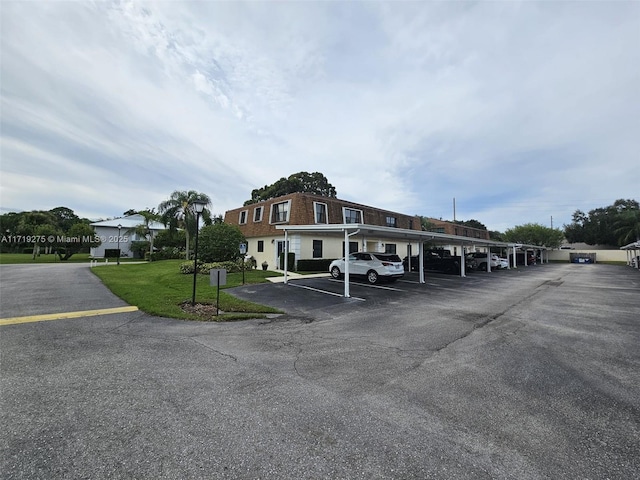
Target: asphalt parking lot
point(530, 374)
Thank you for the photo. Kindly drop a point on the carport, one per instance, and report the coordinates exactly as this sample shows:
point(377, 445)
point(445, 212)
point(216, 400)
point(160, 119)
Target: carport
point(349, 230)
point(633, 254)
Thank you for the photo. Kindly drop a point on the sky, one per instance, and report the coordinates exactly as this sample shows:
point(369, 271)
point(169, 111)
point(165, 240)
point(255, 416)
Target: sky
point(523, 112)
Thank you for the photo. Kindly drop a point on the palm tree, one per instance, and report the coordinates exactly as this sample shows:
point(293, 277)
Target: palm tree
point(627, 226)
point(144, 229)
point(179, 212)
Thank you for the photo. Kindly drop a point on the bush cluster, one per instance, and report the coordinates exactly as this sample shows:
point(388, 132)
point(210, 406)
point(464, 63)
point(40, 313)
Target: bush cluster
point(204, 268)
point(165, 253)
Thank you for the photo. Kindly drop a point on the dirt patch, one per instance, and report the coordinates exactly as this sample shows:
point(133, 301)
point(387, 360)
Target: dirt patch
point(205, 311)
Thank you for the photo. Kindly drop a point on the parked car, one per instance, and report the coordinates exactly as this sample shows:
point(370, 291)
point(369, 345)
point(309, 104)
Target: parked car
point(504, 262)
point(439, 260)
point(373, 266)
point(481, 260)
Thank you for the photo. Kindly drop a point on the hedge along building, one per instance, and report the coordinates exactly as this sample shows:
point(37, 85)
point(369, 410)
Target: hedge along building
point(259, 223)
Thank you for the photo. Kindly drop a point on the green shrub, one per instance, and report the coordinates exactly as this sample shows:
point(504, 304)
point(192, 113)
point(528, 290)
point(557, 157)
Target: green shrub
point(219, 242)
point(313, 265)
point(167, 253)
point(291, 262)
point(204, 268)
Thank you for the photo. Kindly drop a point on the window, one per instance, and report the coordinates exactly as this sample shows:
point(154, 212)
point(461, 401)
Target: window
point(320, 212)
point(280, 212)
point(351, 216)
point(438, 230)
point(353, 247)
point(317, 249)
point(390, 248)
point(257, 214)
point(260, 245)
point(392, 222)
point(243, 217)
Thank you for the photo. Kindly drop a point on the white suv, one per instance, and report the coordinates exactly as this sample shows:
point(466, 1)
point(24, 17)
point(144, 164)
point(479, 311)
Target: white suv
point(373, 266)
point(481, 260)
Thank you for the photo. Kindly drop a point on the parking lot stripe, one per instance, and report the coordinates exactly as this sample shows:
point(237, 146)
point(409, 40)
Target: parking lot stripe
point(60, 316)
point(323, 291)
point(366, 285)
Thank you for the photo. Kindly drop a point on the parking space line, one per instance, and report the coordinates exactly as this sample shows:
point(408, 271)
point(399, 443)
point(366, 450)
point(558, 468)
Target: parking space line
point(418, 283)
point(370, 286)
point(323, 291)
point(60, 316)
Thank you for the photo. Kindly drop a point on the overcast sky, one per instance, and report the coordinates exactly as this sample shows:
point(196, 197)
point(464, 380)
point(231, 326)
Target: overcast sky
point(521, 111)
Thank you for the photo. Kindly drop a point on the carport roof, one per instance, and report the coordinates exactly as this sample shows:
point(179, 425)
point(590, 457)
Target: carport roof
point(631, 246)
point(401, 234)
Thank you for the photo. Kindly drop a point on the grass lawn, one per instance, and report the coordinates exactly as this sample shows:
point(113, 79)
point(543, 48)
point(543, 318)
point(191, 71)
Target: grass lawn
point(158, 288)
point(9, 258)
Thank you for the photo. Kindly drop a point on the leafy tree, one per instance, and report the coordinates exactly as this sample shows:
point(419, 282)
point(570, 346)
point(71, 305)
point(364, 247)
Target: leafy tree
point(45, 233)
point(534, 234)
point(219, 242)
point(612, 225)
point(29, 221)
point(304, 182)
point(65, 217)
point(80, 236)
point(179, 212)
point(627, 227)
point(496, 235)
point(170, 239)
point(9, 227)
point(426, 225)
point(472, 223)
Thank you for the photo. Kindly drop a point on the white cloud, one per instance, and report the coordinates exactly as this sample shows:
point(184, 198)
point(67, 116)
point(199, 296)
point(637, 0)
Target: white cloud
point(516, 109)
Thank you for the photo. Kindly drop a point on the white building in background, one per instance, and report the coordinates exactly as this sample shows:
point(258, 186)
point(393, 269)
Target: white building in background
point(118, 233)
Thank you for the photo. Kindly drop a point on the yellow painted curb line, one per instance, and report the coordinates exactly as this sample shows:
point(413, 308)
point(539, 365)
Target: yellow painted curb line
point(59, 316)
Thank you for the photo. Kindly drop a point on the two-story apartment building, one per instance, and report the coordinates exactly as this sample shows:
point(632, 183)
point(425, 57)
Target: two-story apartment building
point(440, 226)
point(265, 242)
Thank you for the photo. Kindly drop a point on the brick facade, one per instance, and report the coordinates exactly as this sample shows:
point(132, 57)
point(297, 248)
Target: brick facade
point(302, 213)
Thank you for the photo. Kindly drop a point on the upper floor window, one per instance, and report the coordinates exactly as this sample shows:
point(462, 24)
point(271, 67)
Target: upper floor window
point(392, 222)
point(280, 212)
point(257, 214)
point(320, 212)
point(351, 216)
point(243, 217)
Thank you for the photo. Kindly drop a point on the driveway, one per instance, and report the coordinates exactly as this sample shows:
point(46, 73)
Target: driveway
point(530, 373)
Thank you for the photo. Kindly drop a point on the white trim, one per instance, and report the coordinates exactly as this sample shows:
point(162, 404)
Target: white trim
point(326, 213)
point(344, 216)
point(258, 209)
point(246, 214)
point(271, 222)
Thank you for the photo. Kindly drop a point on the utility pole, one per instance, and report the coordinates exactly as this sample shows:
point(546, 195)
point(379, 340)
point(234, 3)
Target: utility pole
point(551, 222)
point(454, 209)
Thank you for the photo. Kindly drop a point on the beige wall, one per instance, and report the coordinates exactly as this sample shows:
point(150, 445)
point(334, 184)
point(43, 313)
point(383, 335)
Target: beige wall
point(601, 255)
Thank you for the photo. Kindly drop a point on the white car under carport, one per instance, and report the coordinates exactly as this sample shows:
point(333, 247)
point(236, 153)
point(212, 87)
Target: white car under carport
point(371, 265)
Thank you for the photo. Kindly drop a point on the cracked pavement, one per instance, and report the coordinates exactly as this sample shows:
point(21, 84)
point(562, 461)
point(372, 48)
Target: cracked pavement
point(529, 374)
